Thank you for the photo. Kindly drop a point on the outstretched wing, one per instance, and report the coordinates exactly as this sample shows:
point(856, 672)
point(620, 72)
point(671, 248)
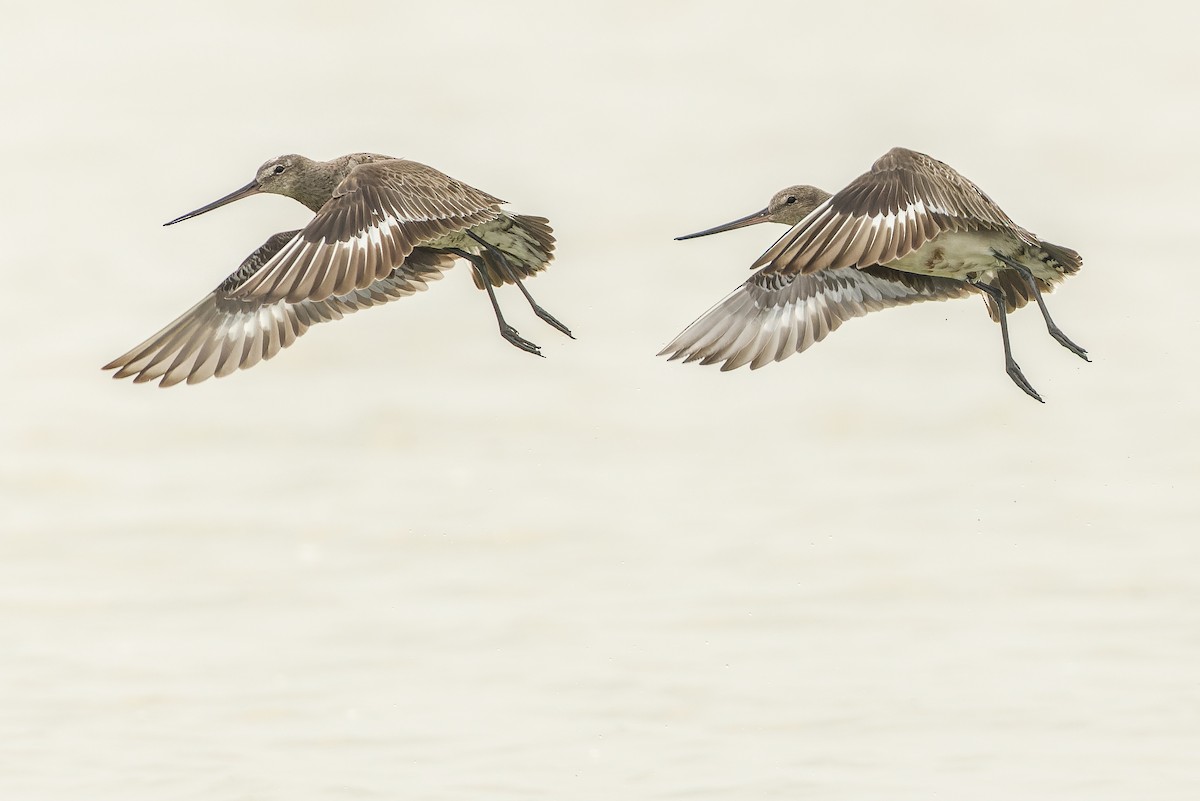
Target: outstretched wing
point(905, 200)
point(224, 332)
point(774, 315)
point(377, 215)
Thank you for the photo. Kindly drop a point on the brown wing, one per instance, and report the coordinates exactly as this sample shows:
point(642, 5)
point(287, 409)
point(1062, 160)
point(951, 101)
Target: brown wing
point(223, 333)
point(774, 315)
point(377, 215)
point(905, 200)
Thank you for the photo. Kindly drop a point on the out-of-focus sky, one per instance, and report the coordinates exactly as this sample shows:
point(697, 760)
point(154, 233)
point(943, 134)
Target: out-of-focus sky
point(876, 569)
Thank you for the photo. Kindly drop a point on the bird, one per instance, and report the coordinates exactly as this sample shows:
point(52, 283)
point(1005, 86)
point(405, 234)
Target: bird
point(382, 229)
point(910, 229)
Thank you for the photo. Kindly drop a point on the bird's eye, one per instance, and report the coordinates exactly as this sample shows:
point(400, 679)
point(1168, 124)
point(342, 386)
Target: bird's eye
point(791, 199)
point(279, 168)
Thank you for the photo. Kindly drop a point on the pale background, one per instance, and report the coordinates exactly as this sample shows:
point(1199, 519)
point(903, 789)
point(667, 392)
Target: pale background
point(405, 560)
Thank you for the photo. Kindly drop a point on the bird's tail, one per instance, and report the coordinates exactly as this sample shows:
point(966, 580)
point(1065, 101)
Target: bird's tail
point(527, 244)
point(1017, 291)
point(1066, 260)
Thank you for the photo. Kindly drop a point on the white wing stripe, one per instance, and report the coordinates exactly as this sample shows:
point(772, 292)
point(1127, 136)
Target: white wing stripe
point(771, 316)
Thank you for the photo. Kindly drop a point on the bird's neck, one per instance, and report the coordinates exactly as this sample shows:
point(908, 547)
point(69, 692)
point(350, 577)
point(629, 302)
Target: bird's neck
point(316, 183)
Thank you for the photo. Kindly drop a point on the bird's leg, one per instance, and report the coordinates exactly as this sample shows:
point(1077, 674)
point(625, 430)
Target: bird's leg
point(1014, 372)
point(1054, 330)
point(507, 331)
point(508, 271)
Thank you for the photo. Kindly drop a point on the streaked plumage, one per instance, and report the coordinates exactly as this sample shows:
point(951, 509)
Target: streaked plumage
point(911, 229)
point(383, 228)
point(770, 317)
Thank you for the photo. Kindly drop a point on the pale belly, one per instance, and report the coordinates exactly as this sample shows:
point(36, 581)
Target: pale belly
point(456, 240)
point(962, 255)
point(494, 231)
point(500, 232)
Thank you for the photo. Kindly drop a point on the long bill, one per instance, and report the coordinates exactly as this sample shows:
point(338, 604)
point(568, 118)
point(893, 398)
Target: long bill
point(741, 222)
point(249, 189)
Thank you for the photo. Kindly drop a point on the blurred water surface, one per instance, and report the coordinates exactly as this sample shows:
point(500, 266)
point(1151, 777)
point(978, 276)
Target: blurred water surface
point(405, 560)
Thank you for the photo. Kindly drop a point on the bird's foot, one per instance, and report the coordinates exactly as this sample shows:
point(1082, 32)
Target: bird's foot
point(1062, 339)
point(513, 338)
point(1014, 372)
point(549, 318)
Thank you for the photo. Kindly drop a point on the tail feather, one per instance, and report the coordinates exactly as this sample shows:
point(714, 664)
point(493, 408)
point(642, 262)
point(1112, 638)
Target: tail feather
point(528, 246)
point(1068, 261)
point(1017, 291)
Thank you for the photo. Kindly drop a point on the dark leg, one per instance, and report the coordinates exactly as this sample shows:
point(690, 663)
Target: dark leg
point(538, 310)
point(507, 331)
point(1054, 330)
point(1014, 372)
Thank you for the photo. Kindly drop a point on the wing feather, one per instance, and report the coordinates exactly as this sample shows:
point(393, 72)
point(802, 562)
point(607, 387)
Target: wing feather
point(904, 201)
point(225, 332)
point(342, 249)
point(772, 316)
